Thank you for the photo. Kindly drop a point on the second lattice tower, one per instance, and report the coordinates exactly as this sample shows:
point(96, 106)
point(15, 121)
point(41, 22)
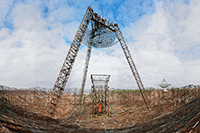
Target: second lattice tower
point(100, 95)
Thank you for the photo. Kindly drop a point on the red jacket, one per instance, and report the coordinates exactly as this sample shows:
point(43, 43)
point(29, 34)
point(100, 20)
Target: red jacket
point(100, 107)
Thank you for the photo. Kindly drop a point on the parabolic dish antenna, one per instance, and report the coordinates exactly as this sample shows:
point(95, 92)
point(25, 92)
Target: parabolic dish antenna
point(101, 38)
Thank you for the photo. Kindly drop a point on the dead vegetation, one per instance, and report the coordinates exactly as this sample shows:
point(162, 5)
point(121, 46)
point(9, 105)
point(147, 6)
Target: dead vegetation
point(178, 110)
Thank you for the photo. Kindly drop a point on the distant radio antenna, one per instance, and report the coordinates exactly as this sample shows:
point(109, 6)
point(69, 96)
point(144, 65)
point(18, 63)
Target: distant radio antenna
point(164, 85)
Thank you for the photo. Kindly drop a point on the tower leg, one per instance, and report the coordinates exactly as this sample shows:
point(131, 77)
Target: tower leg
point(87, 59)
point(63, 76)
point(132, 65)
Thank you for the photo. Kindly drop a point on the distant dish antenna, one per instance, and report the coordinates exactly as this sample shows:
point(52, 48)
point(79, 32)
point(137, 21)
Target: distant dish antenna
point(164, 85)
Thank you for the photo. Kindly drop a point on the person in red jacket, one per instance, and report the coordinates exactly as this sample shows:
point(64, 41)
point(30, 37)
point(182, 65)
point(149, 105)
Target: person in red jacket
point(100, 107)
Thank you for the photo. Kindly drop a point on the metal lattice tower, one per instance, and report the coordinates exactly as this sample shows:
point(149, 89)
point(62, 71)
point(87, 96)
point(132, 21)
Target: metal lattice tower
point(102, 33)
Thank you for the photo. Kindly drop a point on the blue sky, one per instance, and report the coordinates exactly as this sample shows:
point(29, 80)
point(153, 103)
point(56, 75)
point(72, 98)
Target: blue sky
point(162, 35)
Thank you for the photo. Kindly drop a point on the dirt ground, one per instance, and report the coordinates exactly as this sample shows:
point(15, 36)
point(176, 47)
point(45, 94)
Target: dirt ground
point(176, 111)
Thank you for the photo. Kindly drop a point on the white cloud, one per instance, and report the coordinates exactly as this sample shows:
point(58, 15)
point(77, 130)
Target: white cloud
point(184, 24)
point(30, 52)
point(5, 8)
point(33, 53)
point(158, 37)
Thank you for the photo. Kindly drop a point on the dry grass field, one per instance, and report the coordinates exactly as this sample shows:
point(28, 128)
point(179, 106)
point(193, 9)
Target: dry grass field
point(177, 110)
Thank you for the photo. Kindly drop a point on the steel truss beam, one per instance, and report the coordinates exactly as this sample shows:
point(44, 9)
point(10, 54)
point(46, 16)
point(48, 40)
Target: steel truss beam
point(67, 65)
point(85, 71)
point(132, 65)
